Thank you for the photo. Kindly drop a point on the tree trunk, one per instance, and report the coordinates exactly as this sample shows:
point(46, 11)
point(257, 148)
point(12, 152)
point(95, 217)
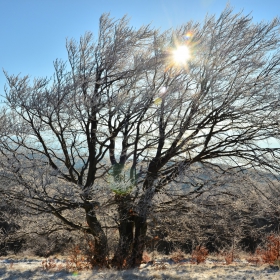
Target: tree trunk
point(131, 243)
point(132, 230)
point(139, 241)
point(125, 243)
point(126, 227)
point(100, 243)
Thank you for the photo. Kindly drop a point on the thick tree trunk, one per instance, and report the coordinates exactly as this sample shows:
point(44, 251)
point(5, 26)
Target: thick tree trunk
point(126, 227)
point(131, 243)
point(125, 244)
point(132, 230)
point(132, 235)
point(100, 244)
point(139, 242)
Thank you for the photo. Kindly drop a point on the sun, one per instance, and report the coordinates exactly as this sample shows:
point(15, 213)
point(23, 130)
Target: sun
point(181, 55)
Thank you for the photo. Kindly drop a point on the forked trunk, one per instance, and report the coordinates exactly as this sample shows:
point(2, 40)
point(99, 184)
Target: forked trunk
point(139, 242)
point(131, 243)
point(126, 228)
point(132, 230)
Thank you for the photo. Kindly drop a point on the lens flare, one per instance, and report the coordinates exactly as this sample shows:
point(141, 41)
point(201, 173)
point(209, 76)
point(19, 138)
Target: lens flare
point(188, 35)
point(162, 91)
point(157, 101)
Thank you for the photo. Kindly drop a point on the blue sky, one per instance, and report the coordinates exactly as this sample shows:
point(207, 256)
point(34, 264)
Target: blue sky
point(33, 32)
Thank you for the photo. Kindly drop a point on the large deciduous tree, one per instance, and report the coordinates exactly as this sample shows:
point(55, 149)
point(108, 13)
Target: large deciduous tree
point(130, 115)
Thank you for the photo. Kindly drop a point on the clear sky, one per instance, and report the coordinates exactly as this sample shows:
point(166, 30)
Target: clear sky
point(33, 32)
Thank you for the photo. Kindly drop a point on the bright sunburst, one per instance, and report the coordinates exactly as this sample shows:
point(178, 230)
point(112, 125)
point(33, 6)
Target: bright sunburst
point(181, 54)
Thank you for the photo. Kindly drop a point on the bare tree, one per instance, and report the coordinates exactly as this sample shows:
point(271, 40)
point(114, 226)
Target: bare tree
point(129, 116)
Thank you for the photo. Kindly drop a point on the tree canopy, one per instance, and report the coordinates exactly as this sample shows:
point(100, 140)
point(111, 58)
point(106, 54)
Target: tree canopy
point(132, 113)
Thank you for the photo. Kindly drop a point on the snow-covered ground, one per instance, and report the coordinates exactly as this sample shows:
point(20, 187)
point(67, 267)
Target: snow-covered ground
point(31, 268)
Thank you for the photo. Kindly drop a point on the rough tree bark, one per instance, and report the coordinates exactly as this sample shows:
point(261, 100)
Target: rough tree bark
point(132, 235)
point(126, 230)
point(100, 239)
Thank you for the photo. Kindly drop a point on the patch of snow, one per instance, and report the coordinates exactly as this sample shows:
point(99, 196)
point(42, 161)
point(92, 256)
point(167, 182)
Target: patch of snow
point(30, 268)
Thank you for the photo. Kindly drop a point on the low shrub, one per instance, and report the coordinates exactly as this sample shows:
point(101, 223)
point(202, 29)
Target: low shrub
point(199, 255)
point(271, 251)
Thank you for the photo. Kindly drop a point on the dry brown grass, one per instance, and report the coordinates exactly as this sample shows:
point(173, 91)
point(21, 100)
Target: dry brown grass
point(269, 253)
point(199, 255)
